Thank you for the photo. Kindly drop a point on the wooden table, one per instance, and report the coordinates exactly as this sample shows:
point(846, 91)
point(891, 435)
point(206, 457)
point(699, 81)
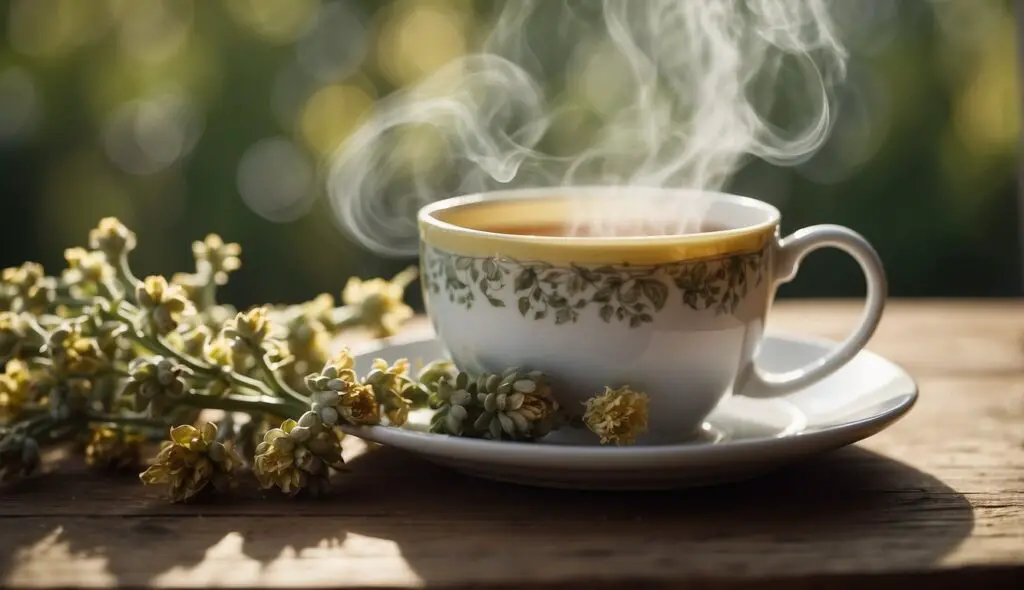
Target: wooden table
point(935, 501)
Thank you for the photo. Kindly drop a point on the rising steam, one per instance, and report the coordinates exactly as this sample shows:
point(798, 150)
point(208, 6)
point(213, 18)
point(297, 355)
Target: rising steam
point(670, 93)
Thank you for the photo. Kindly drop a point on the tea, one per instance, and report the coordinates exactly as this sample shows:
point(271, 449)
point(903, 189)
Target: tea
point(587, 231)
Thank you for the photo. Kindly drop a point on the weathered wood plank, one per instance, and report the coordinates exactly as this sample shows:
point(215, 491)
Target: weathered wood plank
point(938, 493)
point(835, 515)
point(941, 337)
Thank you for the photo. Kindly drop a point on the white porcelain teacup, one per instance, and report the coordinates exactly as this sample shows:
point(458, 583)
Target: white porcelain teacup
point(679, 317)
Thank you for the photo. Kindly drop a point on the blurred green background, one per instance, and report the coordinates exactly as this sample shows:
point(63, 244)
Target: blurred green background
point(183, 117)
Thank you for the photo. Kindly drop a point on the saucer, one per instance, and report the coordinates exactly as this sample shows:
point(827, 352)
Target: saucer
point(741, 439)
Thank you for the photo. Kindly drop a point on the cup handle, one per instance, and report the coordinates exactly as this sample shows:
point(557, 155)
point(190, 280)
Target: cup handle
point(758, 383)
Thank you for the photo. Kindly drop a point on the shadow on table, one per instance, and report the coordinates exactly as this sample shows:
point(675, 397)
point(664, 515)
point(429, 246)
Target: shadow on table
point(838, 512)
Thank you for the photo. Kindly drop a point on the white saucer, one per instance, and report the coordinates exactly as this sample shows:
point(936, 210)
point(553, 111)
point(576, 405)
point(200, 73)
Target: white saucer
point(744, 437)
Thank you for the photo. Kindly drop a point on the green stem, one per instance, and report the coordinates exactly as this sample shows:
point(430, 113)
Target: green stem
point(32, 323)
point(126, 277)
point(234, 403)
point(276, 383)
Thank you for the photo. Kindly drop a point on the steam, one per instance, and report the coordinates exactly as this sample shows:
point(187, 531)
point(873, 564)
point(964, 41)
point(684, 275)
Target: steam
point(666, 93)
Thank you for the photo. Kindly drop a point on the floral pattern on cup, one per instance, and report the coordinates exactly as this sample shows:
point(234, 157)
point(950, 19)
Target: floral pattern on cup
point(620, 292)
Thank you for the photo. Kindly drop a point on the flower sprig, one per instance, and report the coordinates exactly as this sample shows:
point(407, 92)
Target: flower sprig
point(98, 354)
point(116, 362)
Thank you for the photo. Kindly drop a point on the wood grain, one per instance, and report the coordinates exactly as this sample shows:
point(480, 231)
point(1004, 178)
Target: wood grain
point(935, 500)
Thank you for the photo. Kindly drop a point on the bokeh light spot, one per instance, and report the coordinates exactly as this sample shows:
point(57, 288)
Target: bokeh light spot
point(154, 30)
point(416, 40)
point(51, 28)
point(336, 44)
point(275, 180)
point(146, 136)
point(331, 114)
point(277, 21)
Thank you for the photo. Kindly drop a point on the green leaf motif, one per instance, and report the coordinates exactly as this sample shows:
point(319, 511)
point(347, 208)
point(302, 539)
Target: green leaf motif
point(656, 292)
point(625, 293)
point(524, 305)
point(525, 279)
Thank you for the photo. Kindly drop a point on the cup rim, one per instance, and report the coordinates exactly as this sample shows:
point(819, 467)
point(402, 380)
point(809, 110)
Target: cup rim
point(427, 215)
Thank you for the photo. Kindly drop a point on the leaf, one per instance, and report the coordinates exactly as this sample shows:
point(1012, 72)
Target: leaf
point(603, 295)
point(540, 314)
point(551, 276)
point(563, 315)
point(606, 312)
point(690, 299)
point(525, 280)
point(483, 285)
point(580, 304)
point(575, 285)
point(524, 305)
point(646, 317)
point(585, 273)
point(474, 273)
point(558, 301)
point(491, 269)
point(537, 294)
point(631, 294)
point(495, 301)
point(620, 313)
point(655, 291)
point(462, 262)
point(635, 321)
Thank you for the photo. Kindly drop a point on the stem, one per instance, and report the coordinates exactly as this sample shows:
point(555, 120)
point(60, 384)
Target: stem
point(246, 381)
point(126, 277)
point(234, 403)
point(275, 382)
point(32, 323)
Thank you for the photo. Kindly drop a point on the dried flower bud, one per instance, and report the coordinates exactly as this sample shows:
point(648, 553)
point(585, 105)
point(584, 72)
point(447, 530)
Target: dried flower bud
point(392, 385)
point(192, 460)
point(15, 390)
point(617, 416)
point(163, 305)
point(112, 238)
point(86, 267)
point(216, 259)
point(19, 455)
point(434, 372)
point(378, 303)
point(298, 455)
point(73, 353)
point(154, 381)
point(113, 448)
point(345, 401)
point(455, 402)
point(195, 342)
point(191, 284)
point(517, 405)
point(248, 330)
point(15, 336)
point(27, 288)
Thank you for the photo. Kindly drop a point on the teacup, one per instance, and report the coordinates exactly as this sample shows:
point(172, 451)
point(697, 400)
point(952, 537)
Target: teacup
point(677, 316)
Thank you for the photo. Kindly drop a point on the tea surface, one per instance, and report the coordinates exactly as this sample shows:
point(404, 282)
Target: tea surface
point(584, 231)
